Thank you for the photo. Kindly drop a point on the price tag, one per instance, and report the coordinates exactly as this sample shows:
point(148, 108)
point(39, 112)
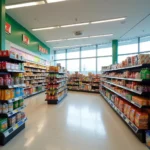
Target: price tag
point(132, 102)
point(122, 115)
point(16, 126)
point(10, 130)
point(127, 120)
point(6, 133)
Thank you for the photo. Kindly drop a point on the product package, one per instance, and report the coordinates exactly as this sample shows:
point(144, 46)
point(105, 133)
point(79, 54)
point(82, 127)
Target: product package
point(3, 124)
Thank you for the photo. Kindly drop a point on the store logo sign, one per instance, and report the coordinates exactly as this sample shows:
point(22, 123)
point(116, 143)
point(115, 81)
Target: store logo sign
point(43, 50)
point(7, 28)
point(25, 40)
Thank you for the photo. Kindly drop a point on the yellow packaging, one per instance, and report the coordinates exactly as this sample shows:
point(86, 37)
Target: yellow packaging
point(7, 94)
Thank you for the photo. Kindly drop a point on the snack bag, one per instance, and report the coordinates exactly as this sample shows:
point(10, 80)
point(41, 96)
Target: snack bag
point(128, 111)
point(132, 114)
point(141, 120)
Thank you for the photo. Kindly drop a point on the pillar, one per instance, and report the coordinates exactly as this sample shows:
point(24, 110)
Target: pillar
point(114, 51)
point(2, 24)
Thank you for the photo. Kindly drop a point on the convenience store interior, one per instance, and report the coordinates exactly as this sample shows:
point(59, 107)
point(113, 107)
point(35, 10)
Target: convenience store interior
point(75, 74)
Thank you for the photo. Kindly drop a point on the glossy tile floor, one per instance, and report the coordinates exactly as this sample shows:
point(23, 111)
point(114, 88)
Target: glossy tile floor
point(81, 122)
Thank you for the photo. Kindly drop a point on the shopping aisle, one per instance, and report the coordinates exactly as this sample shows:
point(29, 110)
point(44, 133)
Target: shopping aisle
point(81, 122)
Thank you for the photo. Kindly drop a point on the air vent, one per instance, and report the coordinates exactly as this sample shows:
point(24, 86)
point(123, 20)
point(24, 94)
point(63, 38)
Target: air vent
point(78, 33)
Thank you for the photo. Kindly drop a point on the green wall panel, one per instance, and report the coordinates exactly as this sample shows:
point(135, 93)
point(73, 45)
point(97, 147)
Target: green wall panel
point(15, 37)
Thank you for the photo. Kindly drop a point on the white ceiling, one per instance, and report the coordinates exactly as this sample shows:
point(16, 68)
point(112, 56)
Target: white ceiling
point(84, 11)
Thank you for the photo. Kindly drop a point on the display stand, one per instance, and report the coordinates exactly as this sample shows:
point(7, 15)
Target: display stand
point(77, 84)
point(56, 87)
point(113, 85)
point(35, 79)
point(12, 129)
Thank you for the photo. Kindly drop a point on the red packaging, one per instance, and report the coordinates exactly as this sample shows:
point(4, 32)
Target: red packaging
point(6, 53)
point(1, 53)
point(0, 65)
point(1, 81)
point(5, 65)
point(121, 105)
point(128, 110)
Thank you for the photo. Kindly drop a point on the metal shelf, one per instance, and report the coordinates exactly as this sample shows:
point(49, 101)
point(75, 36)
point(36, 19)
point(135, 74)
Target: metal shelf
point(128, 68)
point(57, 72)
point(10, 70)
point(25, 97)
point(128, 79)
point(10, 133)
point(12, 86)
point(12, 100)
point(83, 91)
point(58, 91)
point(137, 92)
point(56, 101)
point(13, 128)
point(131, 125)
point(12, 59)
point(34, 67)
point(135, 104)
point(13, 112)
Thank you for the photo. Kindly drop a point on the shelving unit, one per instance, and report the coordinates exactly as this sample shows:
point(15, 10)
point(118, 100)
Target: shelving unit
point(12, 105)
point(138, 132)
point(56, 87)
point(35, 79)
point(76, 83)
point(127, 90)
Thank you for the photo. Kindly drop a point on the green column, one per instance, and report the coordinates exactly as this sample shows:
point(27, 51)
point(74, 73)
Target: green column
point(2, 24)
point(114, 51)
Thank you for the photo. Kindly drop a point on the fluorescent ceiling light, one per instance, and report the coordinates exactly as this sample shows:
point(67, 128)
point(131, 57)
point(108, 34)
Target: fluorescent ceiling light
point(25, 4)
point(56, 40)
point(74, 25)
point(71, 46)
point(80, 24)
point(78, 38)
point(54, 1)
point(97, 36)
point(110, 20)
point(46, 28)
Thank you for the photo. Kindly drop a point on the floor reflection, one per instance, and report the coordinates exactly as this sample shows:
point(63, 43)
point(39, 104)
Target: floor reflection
point(86, 119)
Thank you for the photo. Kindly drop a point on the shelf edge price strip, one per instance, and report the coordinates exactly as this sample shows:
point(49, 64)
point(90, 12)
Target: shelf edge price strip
point(15, 127)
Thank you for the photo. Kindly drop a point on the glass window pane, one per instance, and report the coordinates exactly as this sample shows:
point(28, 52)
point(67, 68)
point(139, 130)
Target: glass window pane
point(73, 53)
point(89, 51)
point(73, 65)
point(88, 65)
point(62, 62)
point(145, 44)
point(60, 54)
point(127, 47)
point(104, 50)
point(103, 61)
point(122, 58)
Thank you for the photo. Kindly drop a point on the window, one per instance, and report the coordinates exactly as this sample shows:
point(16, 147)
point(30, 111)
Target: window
point(73, 53)
point(103, 61)
point(62, 62)
point(60, 54)
point(128, 47)
point(89, 51)
point(73, 65)
point(123, 57)
point(88, 65)
point(104, 50)
point(145, 44)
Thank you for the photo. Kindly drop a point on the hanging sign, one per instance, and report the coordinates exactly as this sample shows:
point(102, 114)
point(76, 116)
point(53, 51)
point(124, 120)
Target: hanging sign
point(7, 28)
point(25, 39)
point(43, 50)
